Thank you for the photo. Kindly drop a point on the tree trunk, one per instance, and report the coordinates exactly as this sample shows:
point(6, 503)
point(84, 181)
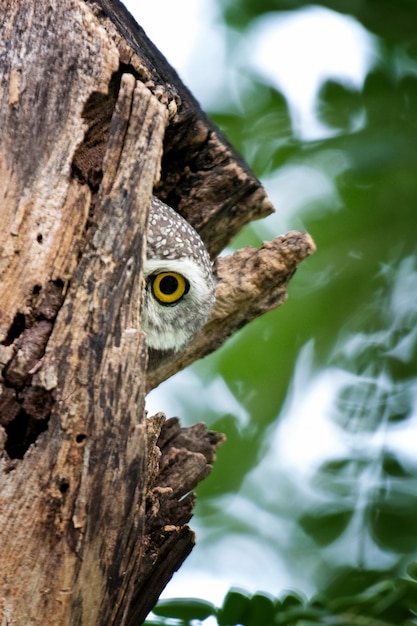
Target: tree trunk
point(93, 500)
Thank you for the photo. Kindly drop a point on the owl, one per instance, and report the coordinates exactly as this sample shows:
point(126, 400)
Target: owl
point(179, 284)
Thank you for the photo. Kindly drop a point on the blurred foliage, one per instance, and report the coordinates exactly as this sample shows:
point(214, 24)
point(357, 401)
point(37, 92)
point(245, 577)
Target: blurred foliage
point(351, 531)
point(378, 16)
point(355, 598)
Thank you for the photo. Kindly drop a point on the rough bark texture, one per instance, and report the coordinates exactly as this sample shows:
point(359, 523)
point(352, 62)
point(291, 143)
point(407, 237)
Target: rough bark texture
point(95, 498)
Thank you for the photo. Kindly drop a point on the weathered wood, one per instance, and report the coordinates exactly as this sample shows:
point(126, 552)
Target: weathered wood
point(40, 127)
point(77, 498)
point(182, 457)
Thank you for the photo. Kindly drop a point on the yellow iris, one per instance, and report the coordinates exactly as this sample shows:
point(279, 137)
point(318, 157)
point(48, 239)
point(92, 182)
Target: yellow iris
point(169, 287)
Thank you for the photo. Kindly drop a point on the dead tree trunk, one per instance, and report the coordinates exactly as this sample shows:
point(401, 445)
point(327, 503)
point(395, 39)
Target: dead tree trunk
point(93, 518)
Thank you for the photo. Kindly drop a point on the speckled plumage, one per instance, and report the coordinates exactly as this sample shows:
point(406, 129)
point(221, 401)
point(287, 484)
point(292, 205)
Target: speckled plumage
point(174, 246)
point(170, 236)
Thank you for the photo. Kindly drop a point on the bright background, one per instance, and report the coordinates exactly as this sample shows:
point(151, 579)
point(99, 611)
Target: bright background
point(317, 480)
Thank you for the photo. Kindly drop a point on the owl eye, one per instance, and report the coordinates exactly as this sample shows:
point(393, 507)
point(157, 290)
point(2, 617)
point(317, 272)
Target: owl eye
point(169, 287)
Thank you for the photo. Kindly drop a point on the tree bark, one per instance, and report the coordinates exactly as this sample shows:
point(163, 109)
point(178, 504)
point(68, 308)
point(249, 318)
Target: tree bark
point(94, 497)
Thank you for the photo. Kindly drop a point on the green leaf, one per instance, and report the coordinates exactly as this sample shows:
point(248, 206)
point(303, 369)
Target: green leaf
point(392, 466)
point(412, 570)
point(324, 526)
point(338, 104)
point(184, 608)
point(261, 611)
point(292, 599)
point(235, 607)
point(392, 518)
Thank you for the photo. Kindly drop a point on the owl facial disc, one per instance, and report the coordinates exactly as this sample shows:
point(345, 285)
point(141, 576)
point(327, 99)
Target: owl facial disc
point(179, 289)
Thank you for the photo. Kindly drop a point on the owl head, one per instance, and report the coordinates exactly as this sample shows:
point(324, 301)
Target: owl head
point(179, 283)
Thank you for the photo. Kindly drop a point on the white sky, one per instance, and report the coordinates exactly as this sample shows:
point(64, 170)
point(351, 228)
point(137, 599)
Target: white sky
point(333, 46)
point(176, 34)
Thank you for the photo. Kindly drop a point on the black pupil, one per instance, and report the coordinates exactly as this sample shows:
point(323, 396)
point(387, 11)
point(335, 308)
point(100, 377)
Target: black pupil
point(168, 285)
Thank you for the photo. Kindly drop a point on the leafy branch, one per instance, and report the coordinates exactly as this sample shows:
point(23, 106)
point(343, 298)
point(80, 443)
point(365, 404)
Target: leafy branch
point(389, 601)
